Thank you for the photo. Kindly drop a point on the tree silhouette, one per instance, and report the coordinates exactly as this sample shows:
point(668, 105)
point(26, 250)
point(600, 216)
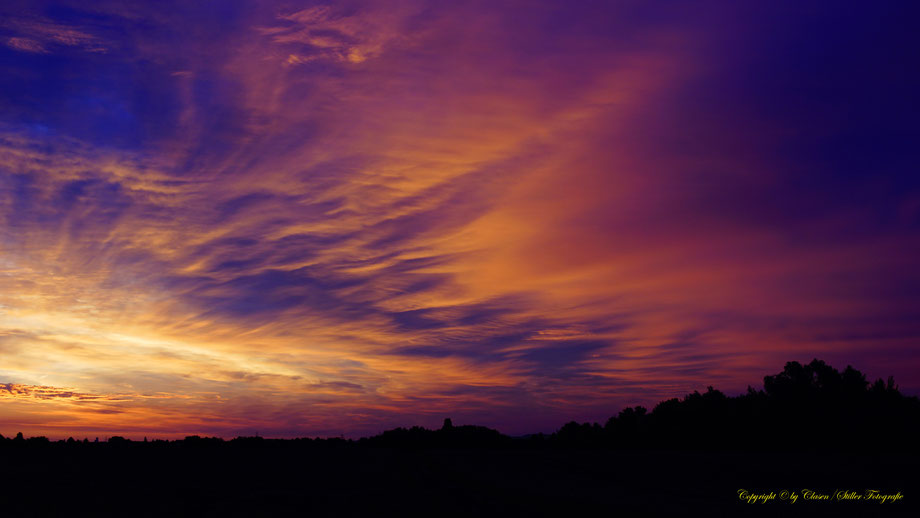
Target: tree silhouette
point(810, 406)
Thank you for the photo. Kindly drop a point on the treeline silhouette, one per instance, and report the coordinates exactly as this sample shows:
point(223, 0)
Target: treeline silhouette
point(688, 454)
point(810, 406)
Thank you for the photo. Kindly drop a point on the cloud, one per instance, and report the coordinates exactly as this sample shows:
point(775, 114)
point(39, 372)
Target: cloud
point(40, 35)
point(26, 45)
point(322, 33)
point(519, 215)
point(16, 390)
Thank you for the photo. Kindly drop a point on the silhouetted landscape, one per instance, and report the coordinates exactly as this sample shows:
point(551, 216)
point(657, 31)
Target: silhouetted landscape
point(331, 258)
point(811, 427)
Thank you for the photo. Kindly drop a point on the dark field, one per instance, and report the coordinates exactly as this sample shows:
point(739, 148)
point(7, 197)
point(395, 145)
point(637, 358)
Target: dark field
point(337, 478)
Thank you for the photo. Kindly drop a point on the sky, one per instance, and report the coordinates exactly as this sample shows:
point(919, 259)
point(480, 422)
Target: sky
point(331, 219)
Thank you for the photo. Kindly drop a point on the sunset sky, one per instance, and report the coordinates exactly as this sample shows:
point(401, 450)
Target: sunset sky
point(322, 219)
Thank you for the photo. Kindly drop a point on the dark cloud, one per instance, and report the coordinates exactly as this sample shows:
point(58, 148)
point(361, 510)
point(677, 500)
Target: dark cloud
point(44, 392)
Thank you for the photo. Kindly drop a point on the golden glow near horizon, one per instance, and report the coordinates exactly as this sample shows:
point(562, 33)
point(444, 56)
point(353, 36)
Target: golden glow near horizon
point(332, 220)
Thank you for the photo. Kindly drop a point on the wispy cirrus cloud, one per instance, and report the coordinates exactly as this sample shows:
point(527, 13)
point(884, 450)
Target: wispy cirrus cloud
point(42, 36)
point(326, 33)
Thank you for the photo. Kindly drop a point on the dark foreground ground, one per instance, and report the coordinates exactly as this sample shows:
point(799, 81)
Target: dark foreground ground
point(352, 480)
